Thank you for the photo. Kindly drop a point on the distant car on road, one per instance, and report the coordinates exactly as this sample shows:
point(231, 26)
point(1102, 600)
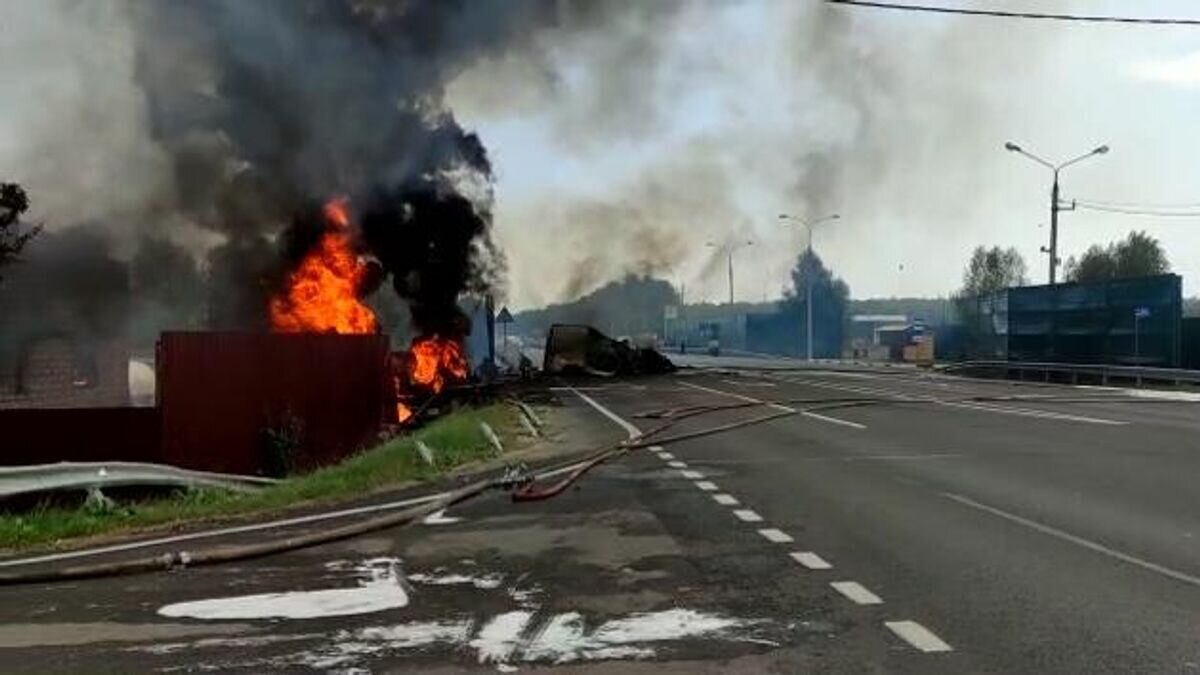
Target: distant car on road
point(714, 347)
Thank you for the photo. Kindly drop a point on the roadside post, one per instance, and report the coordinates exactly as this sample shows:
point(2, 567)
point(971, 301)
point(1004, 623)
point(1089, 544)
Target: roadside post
point(1139, 313)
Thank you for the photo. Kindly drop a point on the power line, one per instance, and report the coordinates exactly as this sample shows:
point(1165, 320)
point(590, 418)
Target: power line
point(1093, 18)
point(1193, 206)
point(1138, 212)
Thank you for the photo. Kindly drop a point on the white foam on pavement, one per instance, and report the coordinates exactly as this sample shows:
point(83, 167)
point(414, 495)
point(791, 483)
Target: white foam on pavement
point(383, 591)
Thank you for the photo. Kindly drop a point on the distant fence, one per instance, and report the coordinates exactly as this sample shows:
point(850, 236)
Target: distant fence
point(1076, 373)
point(1133, 322)
point(41, 435)
point(1190, 349)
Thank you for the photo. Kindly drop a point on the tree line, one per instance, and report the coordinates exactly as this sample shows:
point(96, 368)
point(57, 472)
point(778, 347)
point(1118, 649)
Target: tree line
point(1137, 255)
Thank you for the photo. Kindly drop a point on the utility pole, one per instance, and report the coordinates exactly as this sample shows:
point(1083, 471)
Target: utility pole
point(1053, 251)
point(1055, 202)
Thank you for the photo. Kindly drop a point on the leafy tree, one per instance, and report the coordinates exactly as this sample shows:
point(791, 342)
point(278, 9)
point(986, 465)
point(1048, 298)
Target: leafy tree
point(993, 269)
point(831, 297)
point(1138, 255)
point(1096, 264)
point(13, 203)
point(990, 271)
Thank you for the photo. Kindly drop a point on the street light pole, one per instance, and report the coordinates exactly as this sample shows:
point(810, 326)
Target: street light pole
point(1055, 203)
point(731, 275)
point(732, 247)
point(808, 281)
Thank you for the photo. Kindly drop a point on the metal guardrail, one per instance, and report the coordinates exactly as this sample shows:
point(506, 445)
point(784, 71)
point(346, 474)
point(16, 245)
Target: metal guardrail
point(1104, 373)
point(16, 480)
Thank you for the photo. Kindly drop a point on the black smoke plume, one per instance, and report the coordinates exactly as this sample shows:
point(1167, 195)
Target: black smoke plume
point(270, 107)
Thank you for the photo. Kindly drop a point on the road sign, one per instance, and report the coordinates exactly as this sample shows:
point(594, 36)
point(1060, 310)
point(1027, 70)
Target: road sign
point(670, 312)
point(1141, 312)
point(504, 316)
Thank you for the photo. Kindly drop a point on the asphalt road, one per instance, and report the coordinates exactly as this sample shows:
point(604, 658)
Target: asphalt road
point(1046, 535)
point(884, 522)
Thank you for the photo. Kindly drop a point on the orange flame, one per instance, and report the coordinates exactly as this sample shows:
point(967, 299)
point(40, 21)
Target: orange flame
point(403, 412)
point(322, 293)
point(430, 363)
point(434, 360)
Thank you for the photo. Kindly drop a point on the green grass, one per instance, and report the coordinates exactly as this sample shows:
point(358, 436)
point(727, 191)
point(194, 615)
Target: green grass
point(456, 440)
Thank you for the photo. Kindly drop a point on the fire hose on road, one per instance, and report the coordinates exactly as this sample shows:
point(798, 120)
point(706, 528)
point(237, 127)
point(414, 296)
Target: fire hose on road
point(524, 486)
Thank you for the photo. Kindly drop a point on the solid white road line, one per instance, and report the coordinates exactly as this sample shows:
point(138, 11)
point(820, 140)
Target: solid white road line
point(1026, 412)
point(1077, 540)
point(749, 384)
point(852, 389)
point(834, 420)
point(776, 406)
point(633, 431)
point(725, 500)
point(677, 464)
point(706, 485)
point(1004, 410)
point(776, 536)
point(748, 516)
point(918, 636)
point(856, 592)
point(811, 560)
point(740, 397)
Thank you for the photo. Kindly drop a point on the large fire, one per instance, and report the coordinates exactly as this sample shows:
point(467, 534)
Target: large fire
point(322, 297)
point(432, 362)
point(322, 292)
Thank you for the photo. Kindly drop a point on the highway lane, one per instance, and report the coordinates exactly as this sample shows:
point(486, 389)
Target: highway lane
point(1030, 537)
point(903, 536)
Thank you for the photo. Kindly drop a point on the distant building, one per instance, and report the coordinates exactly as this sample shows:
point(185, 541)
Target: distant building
point(59, 372)
point(63, 330)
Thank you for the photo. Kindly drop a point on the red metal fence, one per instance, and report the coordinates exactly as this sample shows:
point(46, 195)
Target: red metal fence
point(244, 402)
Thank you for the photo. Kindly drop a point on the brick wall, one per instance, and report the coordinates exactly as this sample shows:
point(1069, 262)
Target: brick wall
point(58, 373)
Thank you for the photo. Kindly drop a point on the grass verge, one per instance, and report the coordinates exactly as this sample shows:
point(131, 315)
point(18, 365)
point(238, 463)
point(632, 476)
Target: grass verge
point(456, 439)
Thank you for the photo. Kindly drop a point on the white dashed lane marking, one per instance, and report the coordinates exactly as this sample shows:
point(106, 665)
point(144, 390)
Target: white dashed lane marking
point(918, 636)
point(748, 516)
point(776, 536)
point(811, 560)
point(692, 475)
point(913, 633)
point(856, 592)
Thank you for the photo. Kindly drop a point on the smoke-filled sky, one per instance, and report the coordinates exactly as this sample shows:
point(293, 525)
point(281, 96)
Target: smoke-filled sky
point(634, 148)
point(624, 136)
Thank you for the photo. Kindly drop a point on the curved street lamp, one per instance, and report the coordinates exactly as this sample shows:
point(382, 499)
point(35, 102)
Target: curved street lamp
point(808, 284)
point(731, 248)
point(1055, 207)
